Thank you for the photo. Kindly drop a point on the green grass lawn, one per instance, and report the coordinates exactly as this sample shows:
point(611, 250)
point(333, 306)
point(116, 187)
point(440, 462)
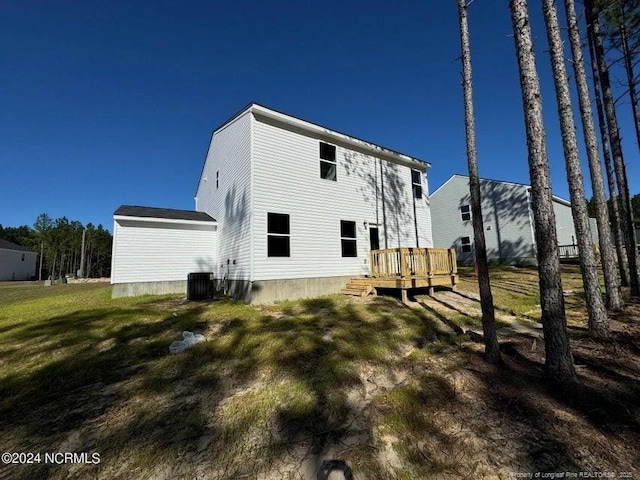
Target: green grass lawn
point(272, 390)
point(77, 364)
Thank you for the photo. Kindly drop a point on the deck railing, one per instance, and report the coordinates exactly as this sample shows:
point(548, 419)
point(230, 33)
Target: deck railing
point(413, 262)
point(571, 251)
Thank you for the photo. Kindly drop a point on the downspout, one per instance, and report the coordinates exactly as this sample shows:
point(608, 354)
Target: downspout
point(375, 169)
point(384, 209)
point(415, 214)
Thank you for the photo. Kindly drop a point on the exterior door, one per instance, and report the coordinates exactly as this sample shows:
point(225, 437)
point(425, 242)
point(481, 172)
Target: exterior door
point(374, 239)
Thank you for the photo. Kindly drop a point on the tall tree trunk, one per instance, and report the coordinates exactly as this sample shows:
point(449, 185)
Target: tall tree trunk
point(41, 258)
point(53, 268)
point(598, 321)
point(559, 361)
point(492, 349)
point(628, 66)
point(606, 157)
point(607, 253)
point(616, 148)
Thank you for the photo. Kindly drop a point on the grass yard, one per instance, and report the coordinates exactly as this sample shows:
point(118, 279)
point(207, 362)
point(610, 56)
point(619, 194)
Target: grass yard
point(300, 389)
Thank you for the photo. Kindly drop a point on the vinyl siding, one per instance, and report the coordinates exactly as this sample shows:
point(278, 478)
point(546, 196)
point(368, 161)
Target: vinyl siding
point(153, 252)
point(564, 224)
point(13, 267)
point(230, 204)
point(505, 209)
point(286, 176)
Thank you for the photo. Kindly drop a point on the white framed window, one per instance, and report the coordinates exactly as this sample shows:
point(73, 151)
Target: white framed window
point(416, 183)
point(465, 243)
point(328, 163)
point(465, 213)
point(348, 239)
point(278, 235)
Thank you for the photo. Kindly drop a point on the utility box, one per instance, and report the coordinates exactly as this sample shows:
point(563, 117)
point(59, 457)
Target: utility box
point(200, 286)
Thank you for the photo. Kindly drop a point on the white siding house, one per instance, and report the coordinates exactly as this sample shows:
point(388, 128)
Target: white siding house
point(508, 220)
point(326, 191)
point(298, 206)
point(16, 262)
point(154, 249)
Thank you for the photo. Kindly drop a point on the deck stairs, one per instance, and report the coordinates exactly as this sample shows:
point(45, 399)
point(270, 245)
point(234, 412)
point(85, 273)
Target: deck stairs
point(358, 287)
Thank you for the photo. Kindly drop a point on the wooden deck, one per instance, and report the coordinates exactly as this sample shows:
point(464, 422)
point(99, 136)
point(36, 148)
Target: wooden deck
point(406, 268)
point(569, 253)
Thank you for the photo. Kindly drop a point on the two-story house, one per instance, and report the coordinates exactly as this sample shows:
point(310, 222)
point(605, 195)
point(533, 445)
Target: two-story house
point(293, 210)
point(508, 221)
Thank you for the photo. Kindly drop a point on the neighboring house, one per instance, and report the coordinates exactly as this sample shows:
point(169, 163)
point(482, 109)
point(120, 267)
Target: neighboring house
point(16, 262)
point(508, 220)
point(297, 209)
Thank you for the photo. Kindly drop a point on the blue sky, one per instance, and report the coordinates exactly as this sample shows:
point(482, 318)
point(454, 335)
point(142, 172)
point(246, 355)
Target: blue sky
point(110, 103)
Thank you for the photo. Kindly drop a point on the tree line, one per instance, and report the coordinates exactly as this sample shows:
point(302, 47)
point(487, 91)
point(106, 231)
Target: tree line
point(635, 208)
point(610, 28)
point(60, 244)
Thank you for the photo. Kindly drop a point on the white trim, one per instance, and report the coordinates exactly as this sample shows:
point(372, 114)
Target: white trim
point(165, 220)
point(447, 181)
point(252, 233)
point(113, 252)
point(21, 251)
point(331, 135)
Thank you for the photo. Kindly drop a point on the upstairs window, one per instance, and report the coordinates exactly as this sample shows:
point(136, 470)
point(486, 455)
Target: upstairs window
point(416, 182)
point(465, 242)
point(217, 178)
point(465, 213)
point(328, 164)
point(278, 235)
point(348, 238)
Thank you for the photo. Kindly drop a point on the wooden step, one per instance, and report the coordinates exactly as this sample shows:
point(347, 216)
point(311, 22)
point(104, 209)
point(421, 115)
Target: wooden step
point(355, 286)
point(361, 281)
point(356, 292)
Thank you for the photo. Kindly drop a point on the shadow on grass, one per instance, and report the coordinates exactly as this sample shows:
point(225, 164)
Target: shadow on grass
point(108, 371)
point(107, 383)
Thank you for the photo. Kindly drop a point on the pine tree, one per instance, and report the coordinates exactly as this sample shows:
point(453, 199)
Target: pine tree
point(598, 321)
point(614, 297)
point(559, 365)
point(611, 181)
point(492, 349)
point(593, 25)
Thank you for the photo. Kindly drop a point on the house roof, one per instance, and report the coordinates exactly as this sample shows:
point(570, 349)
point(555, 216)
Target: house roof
point(257, 108)
point(7, 245)
point(555, 197)
point(166, 213)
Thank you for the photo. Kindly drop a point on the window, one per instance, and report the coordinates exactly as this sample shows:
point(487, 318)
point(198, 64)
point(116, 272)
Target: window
point(416, 181)
point(348, 238)
point(278, 235)
point(465, 213)
point(23, 257)
point(466, 244)
point(328, 164)
point(217, 178)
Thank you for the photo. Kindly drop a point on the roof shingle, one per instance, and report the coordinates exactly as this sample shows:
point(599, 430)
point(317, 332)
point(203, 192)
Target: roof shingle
point(168, 213)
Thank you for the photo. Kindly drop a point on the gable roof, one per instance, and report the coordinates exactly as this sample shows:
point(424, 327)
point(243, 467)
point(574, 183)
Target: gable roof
point(7, 245)
point(504, 182)
point(166, 213)
point(328, 133)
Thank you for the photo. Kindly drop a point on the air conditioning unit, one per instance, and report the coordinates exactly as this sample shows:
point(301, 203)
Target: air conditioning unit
point(200, 286)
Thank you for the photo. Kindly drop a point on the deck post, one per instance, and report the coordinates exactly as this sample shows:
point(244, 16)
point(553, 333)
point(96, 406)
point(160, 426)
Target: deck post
point(405, 296)
point(404, 262)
